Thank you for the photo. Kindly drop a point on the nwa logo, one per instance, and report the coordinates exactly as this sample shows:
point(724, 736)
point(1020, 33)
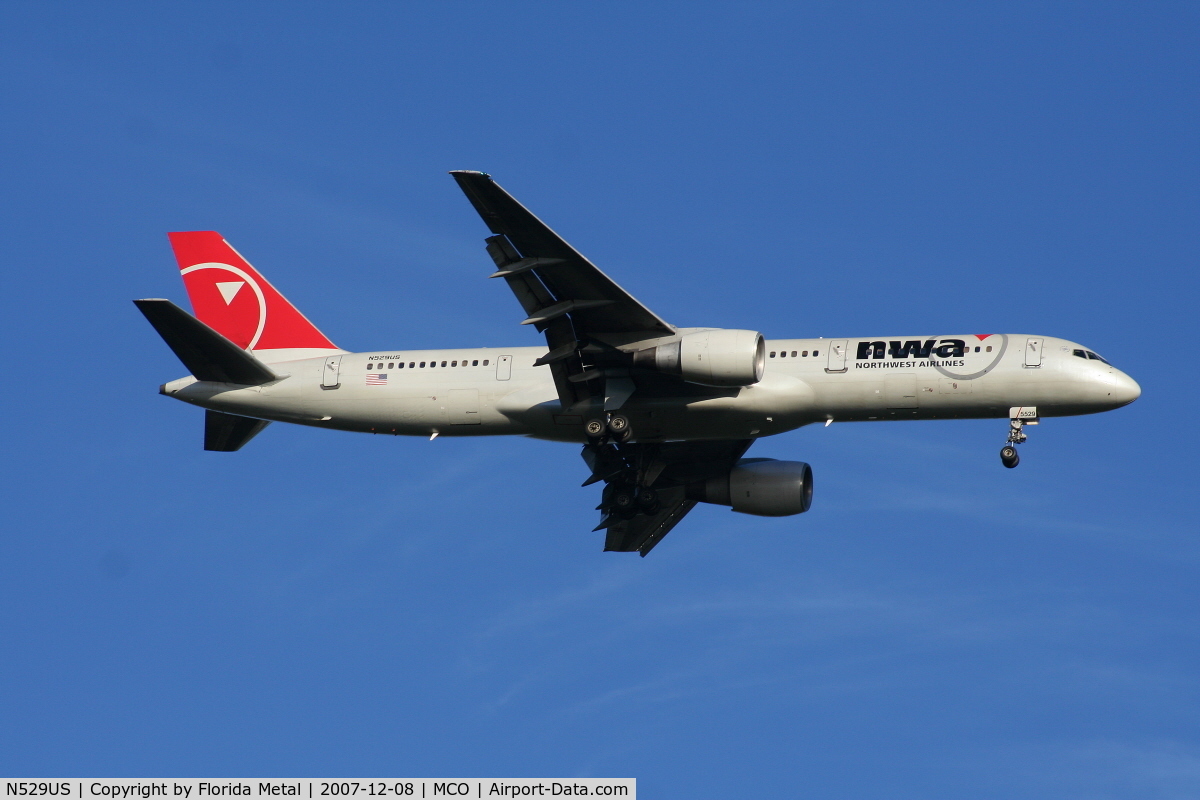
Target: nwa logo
point(935, 352)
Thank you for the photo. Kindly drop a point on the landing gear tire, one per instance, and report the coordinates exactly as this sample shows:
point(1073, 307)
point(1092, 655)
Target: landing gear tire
point(618, 426)
point(624, 501)
point(1009, 456)
point(647, 500)
point(594, 428)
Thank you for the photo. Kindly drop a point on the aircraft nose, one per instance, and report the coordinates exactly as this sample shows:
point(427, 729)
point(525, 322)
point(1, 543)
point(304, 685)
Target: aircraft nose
point(1124, 389)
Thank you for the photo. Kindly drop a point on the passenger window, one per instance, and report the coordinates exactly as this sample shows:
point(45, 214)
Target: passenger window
point(391, 365)
point(400, 365)
point(475, 363)
point(485, 362)
point(793, 354)
point(772, 354)
point(370, 365)
point(816, 352)
point(976, 349)
point(443, 363)
point(805, 354)
point(412, 365)
point(422, 365)
point(989, 349)
point(454, 363)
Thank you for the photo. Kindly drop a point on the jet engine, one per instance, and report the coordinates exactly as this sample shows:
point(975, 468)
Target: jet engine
point(710, 358)
point(761, 486)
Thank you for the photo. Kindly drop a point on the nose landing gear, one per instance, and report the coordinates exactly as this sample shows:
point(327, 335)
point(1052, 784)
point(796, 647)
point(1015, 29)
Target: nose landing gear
point(1018, 418)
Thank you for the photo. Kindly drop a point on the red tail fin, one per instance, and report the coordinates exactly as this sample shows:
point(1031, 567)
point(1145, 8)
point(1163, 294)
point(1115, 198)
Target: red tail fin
point(230, 296)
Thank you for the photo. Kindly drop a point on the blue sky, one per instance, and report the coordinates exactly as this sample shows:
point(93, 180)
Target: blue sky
point(326, 604)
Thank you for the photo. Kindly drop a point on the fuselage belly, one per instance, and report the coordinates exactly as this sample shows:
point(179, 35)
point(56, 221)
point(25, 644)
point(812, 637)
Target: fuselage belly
point(488, 392)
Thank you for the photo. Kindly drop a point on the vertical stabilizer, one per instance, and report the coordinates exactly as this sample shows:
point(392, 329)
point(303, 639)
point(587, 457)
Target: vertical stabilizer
point(231, 297)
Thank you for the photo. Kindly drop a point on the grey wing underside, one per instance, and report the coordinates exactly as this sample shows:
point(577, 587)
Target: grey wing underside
point(671, 468)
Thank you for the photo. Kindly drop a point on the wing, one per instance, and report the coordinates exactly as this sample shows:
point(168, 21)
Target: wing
point(564, 295)
point(644, 531)
point(666, 472)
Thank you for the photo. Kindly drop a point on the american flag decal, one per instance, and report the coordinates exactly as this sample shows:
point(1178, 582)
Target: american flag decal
point(375, 379)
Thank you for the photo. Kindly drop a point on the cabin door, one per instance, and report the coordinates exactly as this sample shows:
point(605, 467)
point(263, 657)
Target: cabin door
point(329, 375)
point(1033, 352)
point(837, 356)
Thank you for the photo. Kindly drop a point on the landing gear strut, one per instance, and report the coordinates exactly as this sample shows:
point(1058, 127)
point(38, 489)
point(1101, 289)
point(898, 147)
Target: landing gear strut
point(1018, 418)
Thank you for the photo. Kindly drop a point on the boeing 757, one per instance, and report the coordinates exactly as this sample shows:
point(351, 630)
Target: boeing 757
point(664, 414)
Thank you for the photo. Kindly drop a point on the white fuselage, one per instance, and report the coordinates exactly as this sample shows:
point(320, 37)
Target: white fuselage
point(497, 391)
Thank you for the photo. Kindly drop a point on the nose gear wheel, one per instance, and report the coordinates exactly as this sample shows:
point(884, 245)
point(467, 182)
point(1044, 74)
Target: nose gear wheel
point(1009, 456)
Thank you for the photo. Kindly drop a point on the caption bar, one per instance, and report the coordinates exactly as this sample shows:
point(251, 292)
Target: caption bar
point(206, 789)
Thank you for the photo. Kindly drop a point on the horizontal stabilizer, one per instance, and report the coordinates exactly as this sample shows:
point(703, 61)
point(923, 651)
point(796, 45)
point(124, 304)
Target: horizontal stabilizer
point(228, 432)
point(208, 355)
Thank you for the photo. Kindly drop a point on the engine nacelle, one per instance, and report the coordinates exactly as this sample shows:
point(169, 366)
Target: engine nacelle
point(761, 486)
point(710, 358)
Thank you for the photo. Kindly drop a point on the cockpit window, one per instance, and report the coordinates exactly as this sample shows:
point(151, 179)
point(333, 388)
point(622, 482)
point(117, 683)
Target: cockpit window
point(1095, 357)
point(1079, 353)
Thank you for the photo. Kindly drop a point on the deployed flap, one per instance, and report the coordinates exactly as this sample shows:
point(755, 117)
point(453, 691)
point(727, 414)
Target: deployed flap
point(594, 301)
point(228, 432)
point(208, 355)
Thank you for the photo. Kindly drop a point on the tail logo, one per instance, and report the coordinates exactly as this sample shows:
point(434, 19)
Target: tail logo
point(216, 277)
point(230, 289)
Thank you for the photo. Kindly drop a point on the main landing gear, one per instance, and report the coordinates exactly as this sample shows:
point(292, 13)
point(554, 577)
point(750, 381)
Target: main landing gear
point(614, 427)
point(1018, 419)
point(628, 472)
point(628, 499)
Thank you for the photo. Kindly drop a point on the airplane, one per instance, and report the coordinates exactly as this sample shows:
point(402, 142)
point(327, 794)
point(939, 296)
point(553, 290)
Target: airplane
point(664, 414)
